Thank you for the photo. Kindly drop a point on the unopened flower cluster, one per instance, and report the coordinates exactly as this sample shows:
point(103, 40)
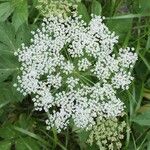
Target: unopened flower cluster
point(72, 72)
point(107, 133)
point(57, 7)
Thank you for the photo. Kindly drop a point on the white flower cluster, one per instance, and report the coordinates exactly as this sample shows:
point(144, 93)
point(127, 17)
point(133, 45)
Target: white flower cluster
point(72, 72)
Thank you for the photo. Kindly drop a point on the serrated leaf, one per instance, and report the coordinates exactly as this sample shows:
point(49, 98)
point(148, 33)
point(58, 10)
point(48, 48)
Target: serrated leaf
point(20, 15)
point(142, 119)
point(8, 45)
point(96, 8)
point(82, 10)
point(7, 36)
point(6, 9)
point(10, 40)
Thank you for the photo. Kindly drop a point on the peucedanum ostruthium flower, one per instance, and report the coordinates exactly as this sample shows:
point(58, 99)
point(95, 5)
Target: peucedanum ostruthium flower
point(72, 71)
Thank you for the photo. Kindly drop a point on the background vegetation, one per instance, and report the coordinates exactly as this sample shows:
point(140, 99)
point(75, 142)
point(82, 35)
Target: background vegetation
point(22, 128)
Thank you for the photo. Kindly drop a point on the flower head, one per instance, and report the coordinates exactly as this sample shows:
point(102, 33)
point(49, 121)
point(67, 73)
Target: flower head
point(107, 133)
point(73, 73)
point(57, 7)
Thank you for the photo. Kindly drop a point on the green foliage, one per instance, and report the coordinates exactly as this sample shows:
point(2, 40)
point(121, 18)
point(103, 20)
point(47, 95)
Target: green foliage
point(142, 6)
point(96, 8)
point(20, 15)
point(122, 28)
point(9, 65)
point(22, 128)
point(82, 10)
point(5, 10)
point(8, 93)
point(17, 8)
point(5, 145)
point(7, 38)
point(143, 118)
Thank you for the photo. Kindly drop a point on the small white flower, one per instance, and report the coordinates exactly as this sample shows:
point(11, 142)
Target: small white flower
point(72, 82)
point(84, 64)
point(126, 57)
point(54, 80)
point(67, 68)
point(122, 80)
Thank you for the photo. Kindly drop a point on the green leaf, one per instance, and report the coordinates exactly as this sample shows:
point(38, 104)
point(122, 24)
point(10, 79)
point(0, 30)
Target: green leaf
point(7, 132)
point(83, 135)
point(120, 26)
point(8, 65)
point(8, 45)
point(142, 6)
point(23, 35)
point(4, 49)
point(5, 145)
point(10, 40)
point(82, 10)
point(25, 121)
point(30, 134)
point(141, 70)
point(2, 104)
point(20, 15)
point(142, 119)
point(26, 144)
point(137, 92)
point(7, 37)
point(36, 137)
point(5, 10)
point(146, 61)
point(8, 93)
point(96, 8)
